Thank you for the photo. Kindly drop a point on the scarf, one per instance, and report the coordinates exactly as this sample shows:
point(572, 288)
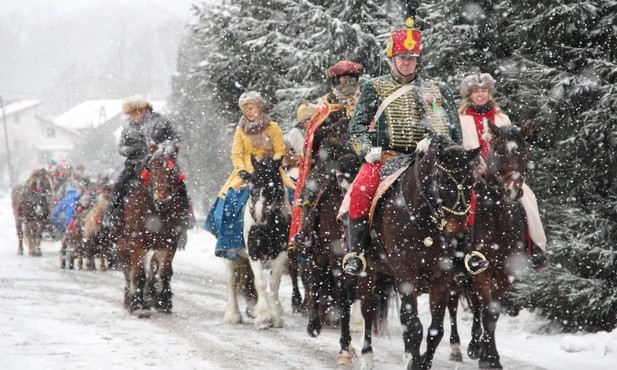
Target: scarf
point(254, 127)
point(479, 114)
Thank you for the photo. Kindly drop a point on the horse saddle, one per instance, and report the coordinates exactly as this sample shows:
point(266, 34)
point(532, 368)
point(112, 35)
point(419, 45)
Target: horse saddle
point(390, 172)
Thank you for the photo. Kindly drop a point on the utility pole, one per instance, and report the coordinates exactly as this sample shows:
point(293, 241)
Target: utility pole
point(6, 140)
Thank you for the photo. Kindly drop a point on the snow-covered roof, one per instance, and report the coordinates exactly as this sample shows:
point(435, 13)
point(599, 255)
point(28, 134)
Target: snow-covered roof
point(52, 147)
point(90, 114)
point(93, 113)
point(19, 105)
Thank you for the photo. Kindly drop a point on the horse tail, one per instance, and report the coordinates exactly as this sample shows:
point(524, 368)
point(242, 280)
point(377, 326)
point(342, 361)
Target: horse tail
point(384, 292)
point(246, 280)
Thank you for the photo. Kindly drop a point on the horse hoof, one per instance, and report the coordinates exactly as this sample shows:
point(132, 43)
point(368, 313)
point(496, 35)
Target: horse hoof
point(458, 357)
point(232, 318)
point(142, 313)
point(344, 358)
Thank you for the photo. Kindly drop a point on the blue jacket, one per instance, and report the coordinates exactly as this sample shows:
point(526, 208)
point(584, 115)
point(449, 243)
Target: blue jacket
point(66, 206)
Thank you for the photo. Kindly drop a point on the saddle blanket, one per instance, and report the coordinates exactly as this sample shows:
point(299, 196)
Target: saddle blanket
point(225, 221)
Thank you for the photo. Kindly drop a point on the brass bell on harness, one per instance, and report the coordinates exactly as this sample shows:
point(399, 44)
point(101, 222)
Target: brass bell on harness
point(428, 241)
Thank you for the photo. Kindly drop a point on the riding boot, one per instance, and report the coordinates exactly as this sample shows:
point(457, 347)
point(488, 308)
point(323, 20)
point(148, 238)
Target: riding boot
point(536, 256)
point(466, 264)
point(354, 262)
point(304, 237)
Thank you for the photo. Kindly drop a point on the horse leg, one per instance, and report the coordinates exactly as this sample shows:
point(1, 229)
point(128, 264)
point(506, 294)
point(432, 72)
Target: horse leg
point(89, 250)
point(489, 358)
point(124, 262)
point(439, 295)
point(263, 318)
point(316, 274)
point(455, 340)
point(165, 272)
point(137, 282)
point(296, 296)
point(366, 284)
point(19, 228)
point(79, 252)
point(39, 236)
point(232, 312)
point(275, 283)
point(478, 299)
point(29, 234)
point(412, 332)
point(346, 298)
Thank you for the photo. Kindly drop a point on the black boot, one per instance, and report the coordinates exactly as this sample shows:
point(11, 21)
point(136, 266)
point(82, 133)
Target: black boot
point(466, 264)
point(354, 262)
point(303, 239)
point(537, 257)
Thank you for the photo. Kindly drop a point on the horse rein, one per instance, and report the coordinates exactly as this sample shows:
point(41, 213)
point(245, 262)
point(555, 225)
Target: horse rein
point(438, 216)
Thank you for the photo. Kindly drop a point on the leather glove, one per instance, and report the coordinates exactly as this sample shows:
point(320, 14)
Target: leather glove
point(245, 175)
point(373, 155)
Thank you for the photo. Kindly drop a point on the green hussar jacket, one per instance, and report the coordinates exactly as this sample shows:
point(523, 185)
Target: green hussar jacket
point(399, 127)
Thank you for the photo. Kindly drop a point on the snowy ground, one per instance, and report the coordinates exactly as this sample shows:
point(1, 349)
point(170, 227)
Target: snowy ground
point(60, 319)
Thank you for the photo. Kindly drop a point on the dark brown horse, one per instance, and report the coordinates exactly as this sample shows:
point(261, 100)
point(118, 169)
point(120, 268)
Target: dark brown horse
point(499, 234)
point(152, 226)
point(330, 291)
point(31, 207)
point(411, 234)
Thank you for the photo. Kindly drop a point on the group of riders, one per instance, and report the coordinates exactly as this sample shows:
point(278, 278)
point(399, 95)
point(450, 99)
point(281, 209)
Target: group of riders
point(385, 118)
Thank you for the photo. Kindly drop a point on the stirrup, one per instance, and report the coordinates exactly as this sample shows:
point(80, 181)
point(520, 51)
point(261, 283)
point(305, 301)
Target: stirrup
point(484, 262)
point(351, 255)
point(301, 244)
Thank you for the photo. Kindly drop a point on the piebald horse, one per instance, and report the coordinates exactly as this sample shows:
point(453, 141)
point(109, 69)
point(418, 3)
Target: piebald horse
point(267, 217)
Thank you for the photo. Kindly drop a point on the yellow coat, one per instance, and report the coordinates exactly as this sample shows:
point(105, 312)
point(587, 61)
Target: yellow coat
point(268, 142)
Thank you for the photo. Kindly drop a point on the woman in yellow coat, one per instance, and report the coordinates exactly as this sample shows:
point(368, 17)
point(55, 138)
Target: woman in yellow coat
point(256, 134)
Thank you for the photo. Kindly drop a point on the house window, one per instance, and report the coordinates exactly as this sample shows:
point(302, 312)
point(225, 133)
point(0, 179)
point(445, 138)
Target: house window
point(50, 131)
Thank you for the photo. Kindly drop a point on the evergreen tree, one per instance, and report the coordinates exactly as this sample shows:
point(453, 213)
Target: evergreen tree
point(553, 64)
point(570, 81)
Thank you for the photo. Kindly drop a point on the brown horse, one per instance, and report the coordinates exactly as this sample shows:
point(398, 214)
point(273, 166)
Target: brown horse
point(412, 229)
point(499, 234)
point(31, 207)
point(71, 245)
point(330, 291)
point(97, 237)
point(152, 226)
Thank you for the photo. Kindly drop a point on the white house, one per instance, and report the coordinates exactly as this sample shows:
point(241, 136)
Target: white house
point(29, 140)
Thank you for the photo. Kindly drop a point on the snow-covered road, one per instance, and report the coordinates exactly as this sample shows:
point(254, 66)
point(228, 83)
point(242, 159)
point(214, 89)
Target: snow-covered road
point(65, 319)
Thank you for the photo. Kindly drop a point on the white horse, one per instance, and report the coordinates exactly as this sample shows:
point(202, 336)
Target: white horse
point(267, 217)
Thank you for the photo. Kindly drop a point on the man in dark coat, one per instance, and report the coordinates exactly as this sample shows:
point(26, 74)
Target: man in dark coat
point(143, 126)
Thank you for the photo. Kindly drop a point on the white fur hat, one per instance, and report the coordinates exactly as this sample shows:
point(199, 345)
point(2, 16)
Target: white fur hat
point(134, 103)
point(477, 80)
point(251, 97)
point(305, 111)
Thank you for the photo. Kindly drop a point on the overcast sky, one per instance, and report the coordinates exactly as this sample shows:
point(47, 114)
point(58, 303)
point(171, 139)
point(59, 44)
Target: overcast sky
point(64, 51)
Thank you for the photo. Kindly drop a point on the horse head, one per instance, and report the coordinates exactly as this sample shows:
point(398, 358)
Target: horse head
point(449, 193)
point(339, 157)
point(266, 188)
point(506, 163)
point(162, 174)
point(39, 191)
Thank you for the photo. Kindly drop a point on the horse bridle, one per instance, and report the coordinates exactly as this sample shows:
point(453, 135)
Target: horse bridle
point(438, 215)
point(176, 174)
